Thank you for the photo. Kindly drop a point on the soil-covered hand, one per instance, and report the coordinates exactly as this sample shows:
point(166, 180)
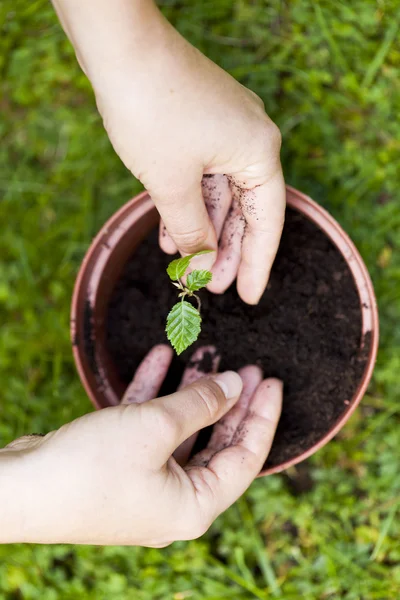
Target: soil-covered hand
point(110, 477)
point(152, 372)
point(173, 116)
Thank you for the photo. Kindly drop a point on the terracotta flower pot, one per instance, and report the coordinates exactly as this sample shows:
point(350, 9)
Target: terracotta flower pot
point(102, 267)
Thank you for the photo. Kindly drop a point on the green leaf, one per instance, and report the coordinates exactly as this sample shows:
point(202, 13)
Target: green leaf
point(198, 279)
point(183, 325)
point(177, 268)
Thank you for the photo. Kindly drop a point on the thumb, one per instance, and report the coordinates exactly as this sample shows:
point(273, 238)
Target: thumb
point(191, 409)
point(184, 213)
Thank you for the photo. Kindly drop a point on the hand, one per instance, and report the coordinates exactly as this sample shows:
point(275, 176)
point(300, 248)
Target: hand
point(151, 373)
point(110, 478)
point(174, 116)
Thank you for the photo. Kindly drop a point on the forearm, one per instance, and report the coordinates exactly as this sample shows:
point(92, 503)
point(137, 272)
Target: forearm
point(31, 493)
point(17, 496)
point(40, 497)
point(109, 35)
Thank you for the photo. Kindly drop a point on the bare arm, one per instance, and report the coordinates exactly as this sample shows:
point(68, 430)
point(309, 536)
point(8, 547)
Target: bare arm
point(174, 116)
point(110, 476)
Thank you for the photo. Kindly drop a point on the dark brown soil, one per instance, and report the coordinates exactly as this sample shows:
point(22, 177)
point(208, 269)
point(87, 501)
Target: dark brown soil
point(306, 329)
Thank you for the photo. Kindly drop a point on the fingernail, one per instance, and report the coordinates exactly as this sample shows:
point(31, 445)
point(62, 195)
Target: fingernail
point(230, 383)
point(204, 261)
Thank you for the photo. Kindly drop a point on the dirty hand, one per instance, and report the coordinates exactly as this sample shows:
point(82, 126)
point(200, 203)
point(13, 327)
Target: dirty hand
point(153, 370)
point(174, 116)
point(110, 477)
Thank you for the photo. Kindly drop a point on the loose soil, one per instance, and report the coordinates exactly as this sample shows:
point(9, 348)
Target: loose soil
point(306, 330)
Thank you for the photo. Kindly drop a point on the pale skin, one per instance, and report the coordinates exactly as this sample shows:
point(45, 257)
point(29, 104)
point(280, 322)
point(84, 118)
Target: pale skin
point(174, 116)
point(175, 119)
point(113, 477)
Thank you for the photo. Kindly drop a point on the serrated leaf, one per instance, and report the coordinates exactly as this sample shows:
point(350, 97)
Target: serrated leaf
point(198, 279)
point(183, 326)
point(177, 268)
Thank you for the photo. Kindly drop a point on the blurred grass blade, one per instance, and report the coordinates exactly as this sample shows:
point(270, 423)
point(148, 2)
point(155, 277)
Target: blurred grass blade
point(380, 56)
point(241, 563)
point(337, 54)
point(259, 549)
point(256, 591)
point(385, 530)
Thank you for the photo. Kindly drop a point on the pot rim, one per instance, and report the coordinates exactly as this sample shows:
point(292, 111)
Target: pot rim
point(369, 311)
point(113, 231)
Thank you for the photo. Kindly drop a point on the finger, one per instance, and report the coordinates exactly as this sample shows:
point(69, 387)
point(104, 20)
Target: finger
point(187, 411)
point(229, 253)
point(182, 208)
point(182, 453)
point(218, 198)
point(204, 360)
point(165, 240)
point(230, 472)
point(225, 429)
point(149, 375)
point(263, 208)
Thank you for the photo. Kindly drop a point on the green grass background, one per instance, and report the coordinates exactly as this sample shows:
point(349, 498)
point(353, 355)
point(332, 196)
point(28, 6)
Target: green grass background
point(329, 73)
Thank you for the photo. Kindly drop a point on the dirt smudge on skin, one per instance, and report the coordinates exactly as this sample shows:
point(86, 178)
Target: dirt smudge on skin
point(205, 364)
point(246, 198)
point(294, 333)
point(211, 193)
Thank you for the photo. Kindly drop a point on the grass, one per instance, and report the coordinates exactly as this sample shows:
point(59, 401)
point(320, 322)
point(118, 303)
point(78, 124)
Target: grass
point(329, 73)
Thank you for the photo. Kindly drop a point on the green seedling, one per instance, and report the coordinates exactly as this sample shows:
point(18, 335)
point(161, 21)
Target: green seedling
point(184, 320)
